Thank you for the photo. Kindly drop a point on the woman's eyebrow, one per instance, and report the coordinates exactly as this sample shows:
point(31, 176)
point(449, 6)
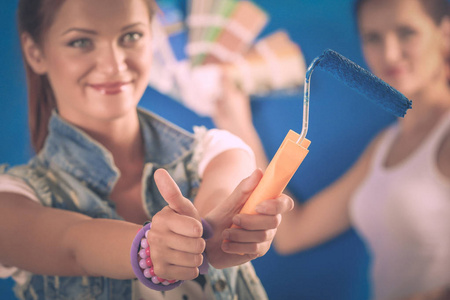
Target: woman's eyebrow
point(83, 30)
point(89, 31)
point(132, 25)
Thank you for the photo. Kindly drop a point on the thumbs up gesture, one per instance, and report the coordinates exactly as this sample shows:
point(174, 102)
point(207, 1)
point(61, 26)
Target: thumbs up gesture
point(175, 239)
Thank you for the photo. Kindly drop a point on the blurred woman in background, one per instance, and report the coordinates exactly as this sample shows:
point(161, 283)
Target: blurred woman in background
point(397, 195)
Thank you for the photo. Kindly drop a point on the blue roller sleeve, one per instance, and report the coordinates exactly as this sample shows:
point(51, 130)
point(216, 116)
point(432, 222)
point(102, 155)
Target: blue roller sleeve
point(364, 82)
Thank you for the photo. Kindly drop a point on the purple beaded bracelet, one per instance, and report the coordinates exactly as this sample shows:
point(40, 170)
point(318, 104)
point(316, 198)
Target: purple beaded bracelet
point(143, 266)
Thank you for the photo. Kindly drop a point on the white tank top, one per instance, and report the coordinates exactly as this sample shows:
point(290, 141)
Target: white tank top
point(403, 214)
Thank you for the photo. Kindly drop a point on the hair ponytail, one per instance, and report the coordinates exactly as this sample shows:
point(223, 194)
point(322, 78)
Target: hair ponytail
point(41, 102)
point(35, 17)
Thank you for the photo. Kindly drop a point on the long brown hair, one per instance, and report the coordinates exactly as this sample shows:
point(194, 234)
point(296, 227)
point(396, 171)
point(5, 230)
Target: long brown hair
point(35, 17)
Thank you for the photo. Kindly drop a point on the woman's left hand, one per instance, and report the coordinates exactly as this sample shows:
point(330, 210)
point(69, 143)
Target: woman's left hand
point(254, 233)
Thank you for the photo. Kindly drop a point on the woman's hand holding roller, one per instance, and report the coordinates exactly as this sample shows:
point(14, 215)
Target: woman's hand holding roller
point(254, 235)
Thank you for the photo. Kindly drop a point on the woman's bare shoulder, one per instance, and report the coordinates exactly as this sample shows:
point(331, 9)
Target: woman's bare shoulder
point(443, 159)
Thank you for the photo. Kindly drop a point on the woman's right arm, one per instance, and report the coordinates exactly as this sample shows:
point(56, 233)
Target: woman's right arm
point(52, 241)
point(324, 216)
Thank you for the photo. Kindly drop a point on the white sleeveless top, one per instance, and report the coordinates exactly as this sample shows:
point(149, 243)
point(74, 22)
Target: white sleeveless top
point(403, 214)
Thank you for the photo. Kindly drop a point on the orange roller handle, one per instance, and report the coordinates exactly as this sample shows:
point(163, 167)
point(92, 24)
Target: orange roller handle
point(283, 166)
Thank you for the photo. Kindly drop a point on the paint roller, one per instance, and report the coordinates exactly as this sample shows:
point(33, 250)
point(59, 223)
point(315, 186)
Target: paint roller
point(294, 147)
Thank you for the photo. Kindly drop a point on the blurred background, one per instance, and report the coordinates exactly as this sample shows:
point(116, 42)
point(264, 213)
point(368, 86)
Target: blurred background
point(341, 124)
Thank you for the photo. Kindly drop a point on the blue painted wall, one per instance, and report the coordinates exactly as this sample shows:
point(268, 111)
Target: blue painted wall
point(341, 125)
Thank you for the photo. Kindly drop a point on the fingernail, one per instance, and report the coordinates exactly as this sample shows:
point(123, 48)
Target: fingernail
point(226, 235)
point(260, 209)
point(198, 230)
point(225, 246)
point(237, 220)
point(252, 180)
point(255, 172)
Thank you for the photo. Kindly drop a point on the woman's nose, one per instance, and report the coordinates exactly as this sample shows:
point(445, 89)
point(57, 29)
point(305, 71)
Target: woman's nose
point(111, 60)
point(392, 49)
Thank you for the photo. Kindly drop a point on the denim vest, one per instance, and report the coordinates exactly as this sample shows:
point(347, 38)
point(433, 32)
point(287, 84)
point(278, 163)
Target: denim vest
point(74, 172)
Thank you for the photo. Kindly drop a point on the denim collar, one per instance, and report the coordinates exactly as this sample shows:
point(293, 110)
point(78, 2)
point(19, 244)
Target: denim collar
point(71, 150)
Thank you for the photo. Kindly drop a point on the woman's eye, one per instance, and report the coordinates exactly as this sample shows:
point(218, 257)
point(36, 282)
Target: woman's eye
point(81, 43)
point(371, 38)
point(405, 33)
point(131, 37)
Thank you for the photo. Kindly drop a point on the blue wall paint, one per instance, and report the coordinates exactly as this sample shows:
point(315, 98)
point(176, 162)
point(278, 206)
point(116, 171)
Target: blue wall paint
point(14, 147)
point(341, 125)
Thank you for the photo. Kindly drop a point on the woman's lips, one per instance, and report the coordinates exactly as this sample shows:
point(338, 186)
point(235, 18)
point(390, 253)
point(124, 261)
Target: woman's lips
point(112, 88)
point(393, 72)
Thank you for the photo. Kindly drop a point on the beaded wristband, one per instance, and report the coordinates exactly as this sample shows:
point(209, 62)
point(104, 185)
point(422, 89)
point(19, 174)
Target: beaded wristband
point(142, 264)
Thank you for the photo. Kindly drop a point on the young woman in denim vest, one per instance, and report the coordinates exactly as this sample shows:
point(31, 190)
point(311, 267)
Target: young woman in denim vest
point(397, 196)
point(104, 167)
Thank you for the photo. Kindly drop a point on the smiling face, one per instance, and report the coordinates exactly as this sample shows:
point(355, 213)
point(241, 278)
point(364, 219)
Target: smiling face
point(97, 56)
point(402, 44)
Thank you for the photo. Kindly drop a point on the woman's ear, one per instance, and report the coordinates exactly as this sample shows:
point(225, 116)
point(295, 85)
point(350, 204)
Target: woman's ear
point(33, 54)
point(445, 28)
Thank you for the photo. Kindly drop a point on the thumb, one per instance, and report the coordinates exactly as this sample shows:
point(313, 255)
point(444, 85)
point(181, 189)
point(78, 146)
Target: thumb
point(172, 194)
point(240, 194)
